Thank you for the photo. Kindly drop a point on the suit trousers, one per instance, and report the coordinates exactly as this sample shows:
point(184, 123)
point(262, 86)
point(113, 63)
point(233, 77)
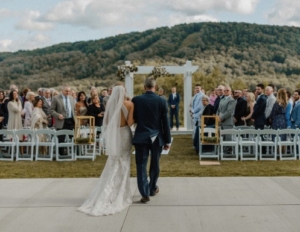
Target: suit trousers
point(68, 125)
point(174, 112)
point(141, 158)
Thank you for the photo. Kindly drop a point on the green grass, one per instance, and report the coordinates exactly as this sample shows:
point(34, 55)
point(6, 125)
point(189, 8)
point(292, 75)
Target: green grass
point(182, 161)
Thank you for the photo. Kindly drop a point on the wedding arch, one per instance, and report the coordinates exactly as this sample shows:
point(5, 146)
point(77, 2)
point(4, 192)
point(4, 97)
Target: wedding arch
point(187, 70)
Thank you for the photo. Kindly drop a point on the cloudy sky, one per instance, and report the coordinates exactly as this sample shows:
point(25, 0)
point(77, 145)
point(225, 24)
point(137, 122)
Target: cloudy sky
point(29, 24)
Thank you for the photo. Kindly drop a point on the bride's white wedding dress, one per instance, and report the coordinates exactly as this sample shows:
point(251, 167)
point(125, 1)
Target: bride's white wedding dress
point(112, 192)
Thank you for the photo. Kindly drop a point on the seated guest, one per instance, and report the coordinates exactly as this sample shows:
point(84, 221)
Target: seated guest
point(250, 98)
point(207, 110)
point(97, 110)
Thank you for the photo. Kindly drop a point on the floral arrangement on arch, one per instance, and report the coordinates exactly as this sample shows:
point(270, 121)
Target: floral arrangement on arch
point(125, 69)
point(159, 71)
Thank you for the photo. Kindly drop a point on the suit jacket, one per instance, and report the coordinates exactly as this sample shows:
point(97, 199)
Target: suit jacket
point(151, 116)
point(197, 106)
point(259, 111)
point(58, 107)
point(216, 105)
point(240, 111)
point(226, 111)
point(175, 101)
point(269, 105)
point(295, 116)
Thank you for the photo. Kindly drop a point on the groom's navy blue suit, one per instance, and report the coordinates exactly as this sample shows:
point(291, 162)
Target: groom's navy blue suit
point(151, 134)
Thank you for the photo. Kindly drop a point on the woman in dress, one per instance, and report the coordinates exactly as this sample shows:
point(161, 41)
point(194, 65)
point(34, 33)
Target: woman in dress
point(278, 113)
point(14, 107)
point(28, 108)
point(250, 98)
point(97, 110)
point(112, 193)
point(81, 104)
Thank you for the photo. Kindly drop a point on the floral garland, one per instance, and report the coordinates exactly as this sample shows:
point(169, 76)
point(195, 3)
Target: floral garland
point(159, 71)
point(125, 69)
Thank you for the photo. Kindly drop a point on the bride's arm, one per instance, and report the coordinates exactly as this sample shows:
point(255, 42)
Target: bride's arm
point(130, 119)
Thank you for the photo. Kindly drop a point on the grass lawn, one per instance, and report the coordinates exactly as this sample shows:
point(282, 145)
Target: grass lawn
point(182, 161)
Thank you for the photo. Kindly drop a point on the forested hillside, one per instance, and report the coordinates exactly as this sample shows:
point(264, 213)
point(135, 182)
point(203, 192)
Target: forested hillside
point(235, 53)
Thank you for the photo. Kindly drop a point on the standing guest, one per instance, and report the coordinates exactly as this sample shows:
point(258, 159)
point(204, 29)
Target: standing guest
point(250, 98)
point(96, 110)
point(258, 115)
point(240, 108)
point(14, 107)
point(278, 113)
point(213, 96)
point(295, 115)
point(47, 99)
point(197, 104)
point(28, 108)
point(62, 109)
point(271, 99)
point(81, 105)
point(103, 95)
point(206, 110)
point(73, 94)
point(161, 93)
point(245, 91)
point(105, 99)
point(2, 97)
point(220, 94)
point(226, 109)
point(1, 122)
point(174, 100)
point(290, 100)
point(40, 93)
point(25, 91)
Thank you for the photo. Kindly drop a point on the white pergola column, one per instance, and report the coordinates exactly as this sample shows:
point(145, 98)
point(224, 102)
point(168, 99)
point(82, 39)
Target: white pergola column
point(187, 96)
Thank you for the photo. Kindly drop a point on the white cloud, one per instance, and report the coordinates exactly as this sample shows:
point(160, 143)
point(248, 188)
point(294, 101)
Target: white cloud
point(177, 19)
point(5, 44)
point(31, 22)
point(285, 13)
point(25, 42)
point(6, 13)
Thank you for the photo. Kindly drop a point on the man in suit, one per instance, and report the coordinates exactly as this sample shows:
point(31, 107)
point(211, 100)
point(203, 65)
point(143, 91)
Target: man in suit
point(258, 115)
point(295, 115)
point(271, 99)
point(173, 101)
point(152, 134)
point(226, 109)
point(220, 93)
point(62, 109)
point(240, 108)
point(47, 104)
point(197, 104)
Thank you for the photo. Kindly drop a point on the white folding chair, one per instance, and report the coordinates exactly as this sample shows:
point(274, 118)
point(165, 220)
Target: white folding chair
point(7, 145)
point(45, 142)
point(28, 144)
point(289, 144)
point(248, 141)
point(267, 140)
point(229, 140)
point(213, 149)
point(98, 141)
point(86, 151)
point(67, 144)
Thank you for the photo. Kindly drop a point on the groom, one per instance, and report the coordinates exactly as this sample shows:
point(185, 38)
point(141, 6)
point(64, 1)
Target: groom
point(152, 134)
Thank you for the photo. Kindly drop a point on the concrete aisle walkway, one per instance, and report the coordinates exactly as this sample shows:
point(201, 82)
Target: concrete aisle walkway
point(183, 205)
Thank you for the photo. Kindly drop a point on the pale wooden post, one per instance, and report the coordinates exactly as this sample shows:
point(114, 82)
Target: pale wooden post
point(187, 95)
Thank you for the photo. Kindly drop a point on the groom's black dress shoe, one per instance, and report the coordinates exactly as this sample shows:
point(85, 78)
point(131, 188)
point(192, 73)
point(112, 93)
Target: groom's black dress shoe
point(154, 193)
point(145, 199)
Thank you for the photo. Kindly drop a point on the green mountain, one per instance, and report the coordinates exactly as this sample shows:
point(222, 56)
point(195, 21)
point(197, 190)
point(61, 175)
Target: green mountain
point(236, 53)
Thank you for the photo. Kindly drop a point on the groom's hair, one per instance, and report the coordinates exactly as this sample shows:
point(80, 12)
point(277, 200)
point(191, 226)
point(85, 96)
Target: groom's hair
point(150, 82)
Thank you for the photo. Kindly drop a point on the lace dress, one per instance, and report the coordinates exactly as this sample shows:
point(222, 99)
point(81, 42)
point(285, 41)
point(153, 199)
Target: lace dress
point(112, 192)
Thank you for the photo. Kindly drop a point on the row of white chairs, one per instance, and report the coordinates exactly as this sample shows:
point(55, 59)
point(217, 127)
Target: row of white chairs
point(251, 144)
point(11, 146)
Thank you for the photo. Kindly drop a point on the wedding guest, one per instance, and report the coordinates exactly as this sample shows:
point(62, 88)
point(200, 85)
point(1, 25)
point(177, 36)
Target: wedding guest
point(278, 113)
point(206, 110)
point(81, 106)
point(174, 100)
point(28, 108)
point(295, 114)
point(97, 110)
point(73, 94)
point(213, 96)
point(240, 108)
point(47, 99)
point(258, 115)
point(220, 94)
point(2, 97)
point(250, 98)
point(39, 120)
point(25, 91)
point(271, 99)
point(105, 99)
point(1, 122)
point(14, 107)
point(197, 104)
point(161, 93)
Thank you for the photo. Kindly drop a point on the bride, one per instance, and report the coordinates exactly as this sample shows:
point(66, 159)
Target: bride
point(112, 192)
